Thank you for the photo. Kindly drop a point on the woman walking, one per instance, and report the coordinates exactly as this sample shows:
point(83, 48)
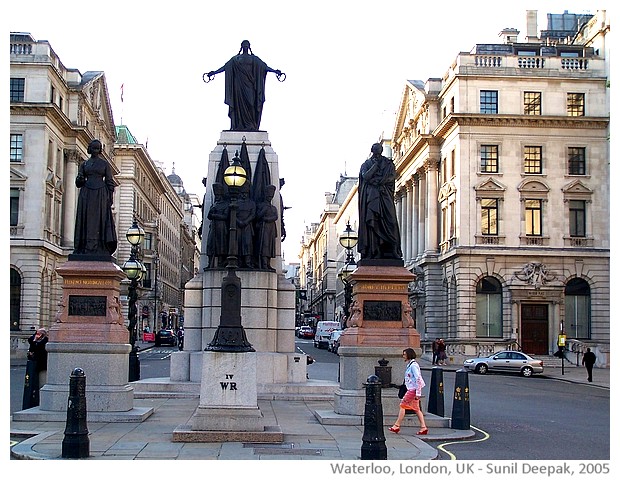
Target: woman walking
point(411, 401)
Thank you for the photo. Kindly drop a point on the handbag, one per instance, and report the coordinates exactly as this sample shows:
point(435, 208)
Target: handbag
point(402, 390)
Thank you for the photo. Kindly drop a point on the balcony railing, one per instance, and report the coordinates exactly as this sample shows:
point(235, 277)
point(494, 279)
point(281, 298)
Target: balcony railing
point(477, 63)
point(578, 242)
point(490, 240)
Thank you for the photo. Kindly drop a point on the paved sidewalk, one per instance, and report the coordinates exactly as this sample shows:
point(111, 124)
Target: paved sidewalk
point(305, 438)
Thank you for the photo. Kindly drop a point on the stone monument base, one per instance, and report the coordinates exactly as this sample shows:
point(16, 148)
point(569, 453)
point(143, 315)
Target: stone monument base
point(228, 408)
point(109, 398)
point(89, 333)
point(357, 363)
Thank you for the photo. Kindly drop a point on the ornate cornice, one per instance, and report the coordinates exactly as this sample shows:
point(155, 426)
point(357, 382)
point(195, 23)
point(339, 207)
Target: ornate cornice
point(523, 121)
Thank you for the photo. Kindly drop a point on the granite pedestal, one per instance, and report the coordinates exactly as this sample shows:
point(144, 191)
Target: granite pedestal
point(89, 333)
point(228, 410)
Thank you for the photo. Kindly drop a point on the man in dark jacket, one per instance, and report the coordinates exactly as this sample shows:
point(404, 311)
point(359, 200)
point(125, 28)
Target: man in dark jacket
point(589, 359)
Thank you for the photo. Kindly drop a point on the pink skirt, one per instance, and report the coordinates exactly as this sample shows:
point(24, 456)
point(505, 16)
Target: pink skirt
point(410, 401)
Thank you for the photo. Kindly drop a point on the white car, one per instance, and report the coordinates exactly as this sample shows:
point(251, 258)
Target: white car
point(334, 341)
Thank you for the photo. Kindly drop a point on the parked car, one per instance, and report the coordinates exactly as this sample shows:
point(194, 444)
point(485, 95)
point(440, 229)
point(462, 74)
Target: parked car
point(323, 331)
point(306, 332)
point(165, 337)
point(505, 361)
point(334, 341)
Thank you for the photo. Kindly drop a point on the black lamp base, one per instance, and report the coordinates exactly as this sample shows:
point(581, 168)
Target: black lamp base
point(230, 339)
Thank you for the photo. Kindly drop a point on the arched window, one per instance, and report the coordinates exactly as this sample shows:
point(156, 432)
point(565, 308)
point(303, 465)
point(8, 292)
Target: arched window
point(15, 300)
point(577, 308)
point(488, 308)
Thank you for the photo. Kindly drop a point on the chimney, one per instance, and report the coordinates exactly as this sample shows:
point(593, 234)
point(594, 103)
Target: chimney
point(509, 35)
point(531, 18)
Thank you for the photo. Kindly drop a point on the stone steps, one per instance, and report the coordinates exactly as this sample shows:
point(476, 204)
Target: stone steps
point(165, 388)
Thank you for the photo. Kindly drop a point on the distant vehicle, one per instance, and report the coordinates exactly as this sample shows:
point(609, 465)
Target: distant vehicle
point(165, 337)
point(505, 361)
point(305, 332)
point(323, 331)
point(334, 341)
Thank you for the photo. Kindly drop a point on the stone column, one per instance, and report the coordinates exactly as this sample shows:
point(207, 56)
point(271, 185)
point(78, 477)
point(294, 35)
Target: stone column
point(402, 220)
point(415, 233)
point(409, 255)
point(431, 198)
point(72, 158)
point(422, 202)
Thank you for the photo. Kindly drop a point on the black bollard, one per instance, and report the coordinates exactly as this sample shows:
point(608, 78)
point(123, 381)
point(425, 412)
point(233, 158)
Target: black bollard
point(460, 404)
point(435, 394)
point(384, 372)
point(31, 386)
point(373, 440)
point(76, 444)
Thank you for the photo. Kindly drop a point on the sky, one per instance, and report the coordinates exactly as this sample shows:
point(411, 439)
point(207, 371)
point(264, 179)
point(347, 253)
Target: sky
point(346, 64)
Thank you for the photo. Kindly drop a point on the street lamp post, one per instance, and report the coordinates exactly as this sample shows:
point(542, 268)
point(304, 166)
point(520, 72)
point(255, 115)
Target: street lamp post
point(230, 335)
point(134, 271)
point(348, 240)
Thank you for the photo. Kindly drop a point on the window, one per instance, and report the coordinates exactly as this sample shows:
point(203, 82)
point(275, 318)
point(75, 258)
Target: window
point(489, 216)
point(532, 103)
point(533, 217)
point(453, 163)
point(17, 89)
point(576, 160)
point(15, 300)
point(14, 207)
point(488, 308)
point(488, 159)
point(488, 101)
point(575, 104)
point(577, 218)
point(17, 147)
point(146, 279)
point(444, 170)
point(577, 308)
point(148, 241)
point(452, 231)
point(532, 160)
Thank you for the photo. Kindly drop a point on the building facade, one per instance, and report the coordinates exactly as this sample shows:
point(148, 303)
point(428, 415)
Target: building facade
point(503, 194)
point(322, 258)
point(55, 112)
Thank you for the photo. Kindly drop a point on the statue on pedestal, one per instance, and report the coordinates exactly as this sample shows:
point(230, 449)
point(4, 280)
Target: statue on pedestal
point(246, 212)
point(245, 88)
point(266, 230)
point(379, 235)
point(95, 233)
point(217, 240)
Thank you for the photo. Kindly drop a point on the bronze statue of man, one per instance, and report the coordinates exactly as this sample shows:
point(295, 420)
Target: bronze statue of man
point(245, 76)
point(95, 233)
point(379, 235)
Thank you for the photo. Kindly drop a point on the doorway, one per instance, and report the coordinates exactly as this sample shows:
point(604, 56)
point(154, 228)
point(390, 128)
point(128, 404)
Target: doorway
point(535, 328)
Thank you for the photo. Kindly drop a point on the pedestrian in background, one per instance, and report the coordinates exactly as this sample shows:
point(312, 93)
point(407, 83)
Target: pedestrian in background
point(38, 353)
point(589, 359)
point(435, 351)
point(36, 368)
point(441, 352)
point(411, 401)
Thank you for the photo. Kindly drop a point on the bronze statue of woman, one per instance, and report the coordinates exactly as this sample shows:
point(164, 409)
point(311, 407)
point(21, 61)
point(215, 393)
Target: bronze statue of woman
point(95, 233)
